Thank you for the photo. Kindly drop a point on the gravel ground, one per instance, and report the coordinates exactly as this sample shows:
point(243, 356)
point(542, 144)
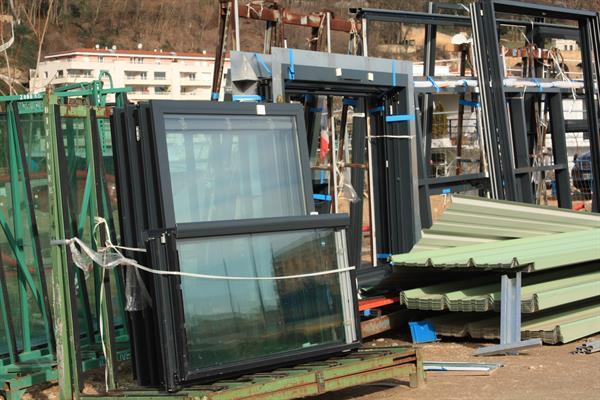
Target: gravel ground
point(548, 372)
point(545, 373)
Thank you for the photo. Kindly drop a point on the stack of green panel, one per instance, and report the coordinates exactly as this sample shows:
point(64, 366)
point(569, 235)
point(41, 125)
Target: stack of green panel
point(560, 248)
point(557, 325)
point(527, 254)
point(471, 220)
point(540, 292)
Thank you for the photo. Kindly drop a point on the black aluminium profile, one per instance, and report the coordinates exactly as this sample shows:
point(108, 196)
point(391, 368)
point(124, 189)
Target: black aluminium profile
point(501, 129)
point(559, 150)
point(424, 193)
point(521, 146)
point(357, 180)
point(168, 305)
point(132, 210)
point(260, 225)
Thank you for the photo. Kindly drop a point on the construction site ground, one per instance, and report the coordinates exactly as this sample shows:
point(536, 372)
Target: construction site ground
point(544, 373)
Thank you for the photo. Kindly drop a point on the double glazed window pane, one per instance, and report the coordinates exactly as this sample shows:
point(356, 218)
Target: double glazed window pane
point(228, 321)
point(234, 167)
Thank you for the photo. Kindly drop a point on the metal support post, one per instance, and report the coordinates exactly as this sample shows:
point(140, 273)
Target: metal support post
point(510, 309)
point(364, 34)
point(521, 147)
point(224, 28)
point(559, 151)
point(370, 163)
point(236, 14)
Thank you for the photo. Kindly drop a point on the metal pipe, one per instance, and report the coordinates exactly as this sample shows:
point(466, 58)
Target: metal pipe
point(328, 32)
point(236, 14)
point(363, 30)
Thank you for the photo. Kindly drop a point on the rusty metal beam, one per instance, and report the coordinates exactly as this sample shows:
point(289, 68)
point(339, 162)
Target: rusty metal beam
point(280, 14)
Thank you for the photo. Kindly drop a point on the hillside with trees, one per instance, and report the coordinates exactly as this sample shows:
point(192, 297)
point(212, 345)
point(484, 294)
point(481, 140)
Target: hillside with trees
point(47, 26)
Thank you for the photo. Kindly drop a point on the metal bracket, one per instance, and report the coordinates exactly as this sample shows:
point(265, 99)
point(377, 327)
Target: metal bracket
point(510, 320)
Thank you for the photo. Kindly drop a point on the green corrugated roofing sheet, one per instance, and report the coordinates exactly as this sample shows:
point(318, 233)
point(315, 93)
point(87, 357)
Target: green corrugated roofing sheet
point(541, 291)
point(529, 254)
point(473, 220)
point(558, 325)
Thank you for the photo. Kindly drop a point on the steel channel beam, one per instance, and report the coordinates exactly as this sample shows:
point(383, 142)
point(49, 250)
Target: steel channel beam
point(510, 309)
point(434, 18)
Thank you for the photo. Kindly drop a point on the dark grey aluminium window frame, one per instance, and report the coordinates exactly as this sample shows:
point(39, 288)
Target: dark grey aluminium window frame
point(161, 107)
point(146, 205)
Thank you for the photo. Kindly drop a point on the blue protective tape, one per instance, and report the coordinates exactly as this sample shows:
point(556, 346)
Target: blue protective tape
point(214, 96)
point(538, 84)
point(315, 109)
point(291, 70)
point(446, 191)
point(399, 118)
point(263, 63)
point(324, 197)
point(247, 97)
point(322, 177)
point(349, 102)
point(376, 110)
point(394, 73)
point(469, 103)
point(383, 256)
point(435, 85)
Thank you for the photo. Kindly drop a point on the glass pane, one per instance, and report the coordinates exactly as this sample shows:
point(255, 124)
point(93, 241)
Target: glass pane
point(230, 321)
point(234, 167)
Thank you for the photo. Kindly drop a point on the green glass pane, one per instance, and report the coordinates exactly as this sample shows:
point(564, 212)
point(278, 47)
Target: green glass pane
point(234, 167)
point(235, 321)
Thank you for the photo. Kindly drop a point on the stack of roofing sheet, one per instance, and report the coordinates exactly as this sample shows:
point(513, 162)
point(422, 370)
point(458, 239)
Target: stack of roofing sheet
point(559, 325)
point(472, 220)
point(560, 247)
point(540, 292)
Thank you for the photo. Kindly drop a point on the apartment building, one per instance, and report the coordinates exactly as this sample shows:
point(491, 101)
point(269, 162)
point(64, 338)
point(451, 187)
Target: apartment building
point(150, 74)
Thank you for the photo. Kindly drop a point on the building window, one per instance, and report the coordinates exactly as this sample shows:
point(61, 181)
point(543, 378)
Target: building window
point(46, 74)
point(136, 60)
point(161, 90)
point(100, 59)
point(60, 73)
point(143, 75)
point(192, 76)
point(160, 76)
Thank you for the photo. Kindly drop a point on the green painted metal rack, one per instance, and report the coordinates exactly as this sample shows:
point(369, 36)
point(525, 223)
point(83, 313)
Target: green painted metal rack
point(30, 354)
